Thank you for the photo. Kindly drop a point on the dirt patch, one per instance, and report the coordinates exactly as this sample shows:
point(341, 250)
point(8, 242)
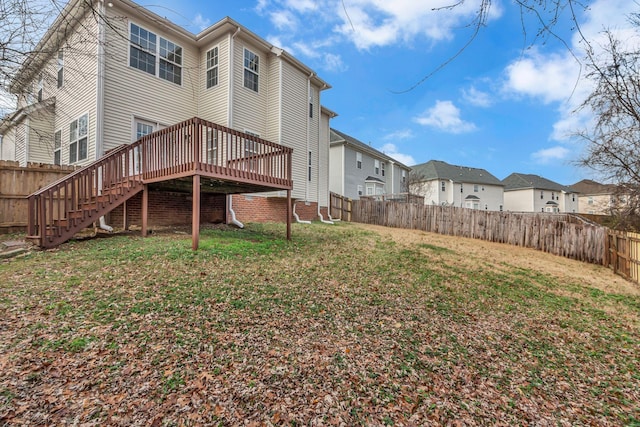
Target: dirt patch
point(478, 253)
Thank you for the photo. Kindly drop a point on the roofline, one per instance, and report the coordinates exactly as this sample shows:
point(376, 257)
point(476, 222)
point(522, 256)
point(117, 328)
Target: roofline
point(367, 148)
point(12, 119)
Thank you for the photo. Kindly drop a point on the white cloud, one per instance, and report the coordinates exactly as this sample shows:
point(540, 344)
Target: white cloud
point(283, 19)
point(334, 63)
point(399, 135)
point(446, 117)
point(370, 23)
point(200, 22)
point(549, 155)
point(476, 97)
point(391, 150)
point(302, 6)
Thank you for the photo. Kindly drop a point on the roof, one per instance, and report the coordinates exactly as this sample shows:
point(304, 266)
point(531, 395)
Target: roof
point(373, 178)
point(339, 138)
point(437, 169)
point(523, 181)
point(587, 186)
point(74, 10)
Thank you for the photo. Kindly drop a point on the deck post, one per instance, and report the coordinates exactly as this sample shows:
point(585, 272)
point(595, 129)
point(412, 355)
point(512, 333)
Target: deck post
point(125, 220)
point(145, 208)
point(195, 222)
point(288, 214)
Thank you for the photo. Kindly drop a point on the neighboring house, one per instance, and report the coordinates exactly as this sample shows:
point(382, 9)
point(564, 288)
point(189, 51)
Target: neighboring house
point(598, 199)
point(108, 73)
point(533, 193)
point(441, 183)
point(357, 169)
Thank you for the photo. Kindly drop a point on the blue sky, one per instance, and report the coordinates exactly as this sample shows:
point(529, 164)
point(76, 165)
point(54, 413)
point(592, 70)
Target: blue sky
point(504, 104)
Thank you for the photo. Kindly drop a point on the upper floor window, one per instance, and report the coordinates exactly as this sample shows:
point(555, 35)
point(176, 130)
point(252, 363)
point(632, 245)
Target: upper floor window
point(309, 164)
point(212, 67)
point(404, 176)
point(590, 200)
point(57, 148)
point(359, 160)
point(376, 166)
point(476, 188)
point(382, 168)
point(443, 185)
point(60, 68)
point(40, 87)
point(251, 70)
point(146, 54)
point(78, 132)
point(542, 194)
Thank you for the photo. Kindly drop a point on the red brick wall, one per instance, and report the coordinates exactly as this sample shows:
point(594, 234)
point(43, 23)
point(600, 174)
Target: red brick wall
point(170, 208)
point(272, 209)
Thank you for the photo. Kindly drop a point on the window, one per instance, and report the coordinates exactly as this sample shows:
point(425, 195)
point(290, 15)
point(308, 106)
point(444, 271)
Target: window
point(404, 177)
point(309, 166)
point(376, 166)
point(40, 87)
point(443, 186)
point(553, 196)
point(143, 129)
point(359, 190)
point(170, 61)
point(475, 188)
point(590, 200)
point(573, 197)
point(310, 108)
point(57, 148)
point(144, 50)
point(542, 194)
point(382, 168)
point(212, 67)
point(359, 160)
point(500, 208)
point(60, 68)
point(251, 70)
point(370, 190)
point(78, 131)
point(212, 146)
point(251, 150)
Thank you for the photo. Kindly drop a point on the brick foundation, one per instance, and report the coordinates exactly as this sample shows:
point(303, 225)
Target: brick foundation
point(272, 209)
point(170, 208)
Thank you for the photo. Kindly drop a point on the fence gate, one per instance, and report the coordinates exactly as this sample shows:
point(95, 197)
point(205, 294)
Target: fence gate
point(340, 207)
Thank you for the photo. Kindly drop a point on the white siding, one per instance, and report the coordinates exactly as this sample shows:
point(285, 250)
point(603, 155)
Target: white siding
point(130, 92)
point(41, 141)
point(323, 152)
point(213, 105)
point(337, 169)
point(21, 143)
point(519, 201)
point(249, 107)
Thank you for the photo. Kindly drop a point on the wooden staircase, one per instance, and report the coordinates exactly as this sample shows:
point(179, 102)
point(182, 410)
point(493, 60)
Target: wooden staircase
point(193, 148)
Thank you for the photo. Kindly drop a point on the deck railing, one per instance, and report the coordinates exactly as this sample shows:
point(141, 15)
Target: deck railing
point(193, 147)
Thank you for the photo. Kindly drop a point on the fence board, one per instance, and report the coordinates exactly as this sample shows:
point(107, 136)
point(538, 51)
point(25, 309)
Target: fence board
point(560, 234)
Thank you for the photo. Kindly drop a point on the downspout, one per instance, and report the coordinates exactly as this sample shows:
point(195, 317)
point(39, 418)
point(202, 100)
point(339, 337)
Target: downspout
point(233, 221)
point(318, 171)
point(298, 220)
point(306, 155)
point(99, 149)
point(232, 213)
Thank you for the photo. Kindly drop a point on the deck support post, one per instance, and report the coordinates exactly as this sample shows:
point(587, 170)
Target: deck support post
point(195, 221)
point(145, 208)
point(125, 219)
point(288, 214)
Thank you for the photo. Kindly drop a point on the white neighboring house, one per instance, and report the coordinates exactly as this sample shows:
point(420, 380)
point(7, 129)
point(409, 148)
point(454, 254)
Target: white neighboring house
point(533, 193)
point(441, 183)
point(357, 169)
point(108, 73)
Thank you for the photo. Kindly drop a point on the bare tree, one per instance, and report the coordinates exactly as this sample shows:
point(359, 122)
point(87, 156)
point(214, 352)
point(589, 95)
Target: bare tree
point(613, 138)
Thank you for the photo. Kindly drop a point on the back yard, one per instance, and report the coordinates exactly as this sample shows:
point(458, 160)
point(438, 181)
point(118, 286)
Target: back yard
point(345, 325)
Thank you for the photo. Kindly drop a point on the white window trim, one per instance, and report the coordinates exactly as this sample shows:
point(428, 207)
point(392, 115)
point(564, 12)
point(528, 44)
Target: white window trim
point(358, 160)
point(376, 166)
point(216, 66)
point(57, 146)
point(156, 55)
point(78, 139)
point(245, 68)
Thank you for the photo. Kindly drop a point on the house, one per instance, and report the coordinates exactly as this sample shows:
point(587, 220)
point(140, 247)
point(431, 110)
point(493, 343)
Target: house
point(599, 199)
point(357, 169)
point(533, 193)
point(441, 183)
point(110, 73)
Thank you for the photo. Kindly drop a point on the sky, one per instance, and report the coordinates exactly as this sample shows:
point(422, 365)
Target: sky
point(408, 79)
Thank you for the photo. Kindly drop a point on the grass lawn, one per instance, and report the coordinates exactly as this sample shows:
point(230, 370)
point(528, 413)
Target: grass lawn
point(342, 326)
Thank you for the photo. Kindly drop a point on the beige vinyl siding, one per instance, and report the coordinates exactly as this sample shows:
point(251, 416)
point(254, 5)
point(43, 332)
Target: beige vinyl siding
point(273, 101)
point(250, 107)
point(41, 140)
point(129, 92)
point(336, 169)
point(294, 124)
point(314, 143)
point(323, 150)
point(8, 145)
point(78, 95)
point(21, 143)
point(214, 100)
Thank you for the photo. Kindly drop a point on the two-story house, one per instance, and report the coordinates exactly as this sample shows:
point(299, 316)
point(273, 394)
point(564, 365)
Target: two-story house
point(109, 73)
point(533, 193)
point(441, 183)
point(357, 169)
point(600, 199)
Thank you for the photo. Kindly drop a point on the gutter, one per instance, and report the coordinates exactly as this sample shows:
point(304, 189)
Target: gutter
point(99, 145)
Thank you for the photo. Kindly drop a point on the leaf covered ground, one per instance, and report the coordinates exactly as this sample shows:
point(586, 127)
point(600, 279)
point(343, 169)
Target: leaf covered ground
point(345, 325)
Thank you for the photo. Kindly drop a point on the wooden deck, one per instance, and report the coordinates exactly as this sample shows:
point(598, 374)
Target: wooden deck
point(195, 150)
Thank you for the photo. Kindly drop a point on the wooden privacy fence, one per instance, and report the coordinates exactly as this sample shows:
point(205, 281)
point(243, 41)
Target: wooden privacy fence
point(560, 234)
point(340, 207)
point(16, 183)
point(623, 254)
